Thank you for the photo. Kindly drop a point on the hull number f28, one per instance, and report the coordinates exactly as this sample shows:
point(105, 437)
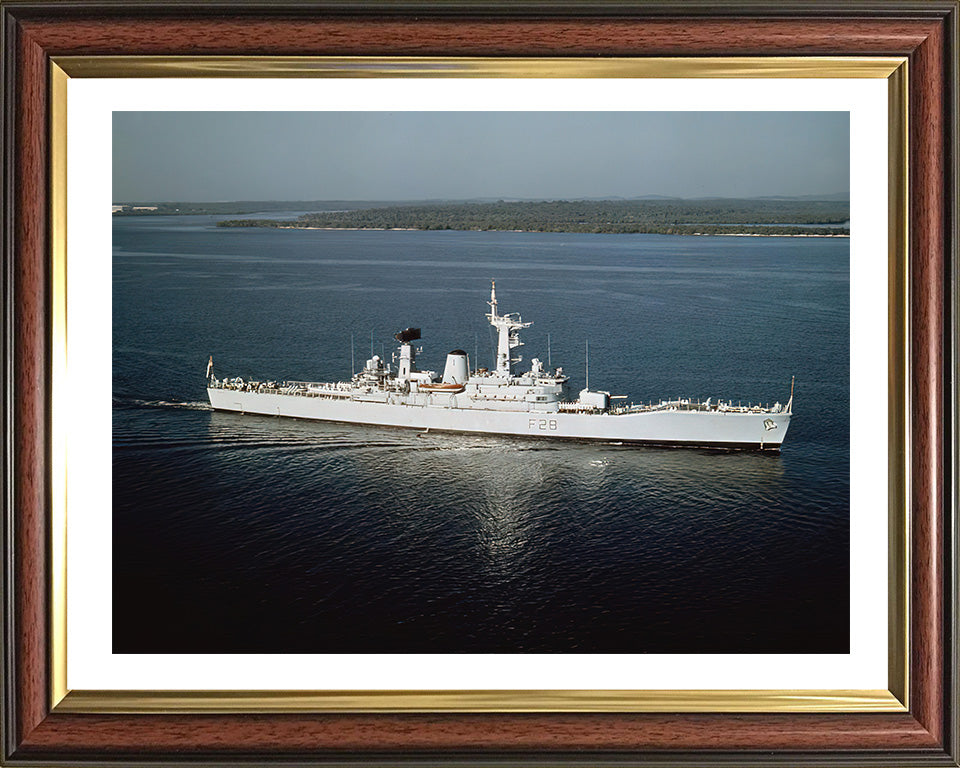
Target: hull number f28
point(542, 424)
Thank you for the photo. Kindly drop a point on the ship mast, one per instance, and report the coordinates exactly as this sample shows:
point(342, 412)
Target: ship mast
point(508, 336)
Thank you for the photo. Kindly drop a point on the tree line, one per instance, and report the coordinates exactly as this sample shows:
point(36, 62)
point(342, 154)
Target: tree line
point(682, 217)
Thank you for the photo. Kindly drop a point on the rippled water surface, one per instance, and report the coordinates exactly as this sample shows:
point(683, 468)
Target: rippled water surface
point(253, 534)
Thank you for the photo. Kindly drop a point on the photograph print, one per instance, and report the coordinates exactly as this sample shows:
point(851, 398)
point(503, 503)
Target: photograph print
point(481, 382)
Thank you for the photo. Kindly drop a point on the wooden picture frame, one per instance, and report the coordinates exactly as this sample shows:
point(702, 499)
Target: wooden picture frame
point(41, 729)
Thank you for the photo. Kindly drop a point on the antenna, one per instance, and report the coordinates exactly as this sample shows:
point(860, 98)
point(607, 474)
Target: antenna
point(588, 362)
point(371, 342)
point(549, 362)
point(353, 367)
point(476, 349)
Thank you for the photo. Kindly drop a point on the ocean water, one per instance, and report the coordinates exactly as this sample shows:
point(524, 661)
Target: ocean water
point(254, 534)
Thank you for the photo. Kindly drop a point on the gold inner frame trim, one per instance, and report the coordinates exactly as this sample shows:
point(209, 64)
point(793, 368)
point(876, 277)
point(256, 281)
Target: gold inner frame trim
point(893, 69)
point(429, 66)
point(234, 702)
point(898, 384)
point(58, 372)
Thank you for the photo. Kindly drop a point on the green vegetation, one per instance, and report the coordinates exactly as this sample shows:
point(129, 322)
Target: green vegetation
point(660, 216)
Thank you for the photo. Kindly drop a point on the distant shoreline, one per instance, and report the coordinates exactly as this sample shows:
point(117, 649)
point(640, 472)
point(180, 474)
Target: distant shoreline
point(775, 218)
point(534, 231)
point(759, 234)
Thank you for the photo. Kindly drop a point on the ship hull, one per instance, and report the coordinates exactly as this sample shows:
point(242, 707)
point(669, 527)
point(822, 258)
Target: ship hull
point(688, 428)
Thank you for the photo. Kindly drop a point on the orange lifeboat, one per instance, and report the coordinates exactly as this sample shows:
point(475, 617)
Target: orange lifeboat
point(450, 389)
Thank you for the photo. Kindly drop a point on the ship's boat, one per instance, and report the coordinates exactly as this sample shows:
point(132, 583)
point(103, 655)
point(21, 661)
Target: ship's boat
point(441, 387)
point(503, 401)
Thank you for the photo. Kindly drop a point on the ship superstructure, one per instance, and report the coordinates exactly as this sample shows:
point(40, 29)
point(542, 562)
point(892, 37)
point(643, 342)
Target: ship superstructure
point(501, 401)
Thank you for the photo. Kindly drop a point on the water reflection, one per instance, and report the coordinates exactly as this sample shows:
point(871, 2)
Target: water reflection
point(500, 493)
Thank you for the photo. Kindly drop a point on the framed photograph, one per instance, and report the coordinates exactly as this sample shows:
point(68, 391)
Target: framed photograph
point(468, 384)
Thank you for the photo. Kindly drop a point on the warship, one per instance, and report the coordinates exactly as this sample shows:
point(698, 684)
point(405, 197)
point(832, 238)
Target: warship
point(502, 401)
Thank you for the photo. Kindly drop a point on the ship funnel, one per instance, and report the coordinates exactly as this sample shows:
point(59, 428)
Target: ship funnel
point(455, 371)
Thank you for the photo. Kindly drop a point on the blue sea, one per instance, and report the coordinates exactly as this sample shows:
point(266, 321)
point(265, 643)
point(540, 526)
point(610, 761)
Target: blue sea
point(266, 535)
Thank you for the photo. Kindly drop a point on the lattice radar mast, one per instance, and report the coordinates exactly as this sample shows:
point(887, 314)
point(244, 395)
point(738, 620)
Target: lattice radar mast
point(508, 334)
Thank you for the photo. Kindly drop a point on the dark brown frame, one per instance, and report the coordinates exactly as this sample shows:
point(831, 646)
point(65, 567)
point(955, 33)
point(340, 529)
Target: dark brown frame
point(925, 32)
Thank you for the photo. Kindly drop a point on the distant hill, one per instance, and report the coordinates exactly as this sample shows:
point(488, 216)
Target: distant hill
point(836, 196)
point(655, 216)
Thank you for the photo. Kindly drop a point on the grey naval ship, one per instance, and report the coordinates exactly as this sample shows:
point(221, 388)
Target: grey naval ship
point(502, 401)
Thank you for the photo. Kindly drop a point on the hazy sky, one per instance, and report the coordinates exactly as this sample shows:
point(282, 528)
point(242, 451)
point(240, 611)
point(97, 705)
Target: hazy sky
point(206, 156)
